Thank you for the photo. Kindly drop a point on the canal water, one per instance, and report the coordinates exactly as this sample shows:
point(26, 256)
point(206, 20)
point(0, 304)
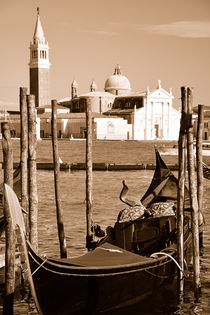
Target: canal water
point(106, 205)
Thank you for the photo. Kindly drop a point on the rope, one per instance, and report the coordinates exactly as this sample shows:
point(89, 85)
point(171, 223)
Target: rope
point(24, 211)
point(154, 255)
point(39, 267)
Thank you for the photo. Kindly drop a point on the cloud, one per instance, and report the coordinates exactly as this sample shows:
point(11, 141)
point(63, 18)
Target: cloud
point(99, 32)
point(108, 33)
point(189, 29)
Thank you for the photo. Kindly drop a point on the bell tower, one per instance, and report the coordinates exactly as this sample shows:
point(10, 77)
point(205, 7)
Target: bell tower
point(39, 66)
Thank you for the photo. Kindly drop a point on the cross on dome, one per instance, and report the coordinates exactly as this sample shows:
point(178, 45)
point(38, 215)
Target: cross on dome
point(117, 70)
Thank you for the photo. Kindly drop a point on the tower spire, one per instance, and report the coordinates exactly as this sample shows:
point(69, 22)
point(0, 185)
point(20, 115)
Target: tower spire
point(39, 65)
point(38, 32)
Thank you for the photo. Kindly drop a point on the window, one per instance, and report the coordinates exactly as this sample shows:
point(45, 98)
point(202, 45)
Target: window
point(206, 125)
point(34, 54)
point(43, 54)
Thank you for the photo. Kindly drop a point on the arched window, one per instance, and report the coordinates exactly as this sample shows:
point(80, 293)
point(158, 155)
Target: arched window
point(110, 128)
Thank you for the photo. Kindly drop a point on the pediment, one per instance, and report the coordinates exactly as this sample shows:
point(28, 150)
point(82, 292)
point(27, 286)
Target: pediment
point(160, 93)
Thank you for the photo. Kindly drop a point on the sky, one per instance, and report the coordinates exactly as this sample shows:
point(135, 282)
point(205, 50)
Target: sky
point(151, 40)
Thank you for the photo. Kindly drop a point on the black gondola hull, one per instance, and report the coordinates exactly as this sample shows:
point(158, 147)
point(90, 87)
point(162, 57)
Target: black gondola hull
point(64, 289)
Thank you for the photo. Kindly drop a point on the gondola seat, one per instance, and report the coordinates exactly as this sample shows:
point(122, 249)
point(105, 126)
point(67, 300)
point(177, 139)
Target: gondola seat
point(144, 235)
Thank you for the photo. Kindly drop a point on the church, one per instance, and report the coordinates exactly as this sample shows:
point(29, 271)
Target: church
point(118, 113)
point(127, 115)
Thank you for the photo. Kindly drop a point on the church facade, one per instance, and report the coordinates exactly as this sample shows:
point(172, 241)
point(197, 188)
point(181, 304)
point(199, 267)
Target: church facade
point(126, 115)
point(150, 114)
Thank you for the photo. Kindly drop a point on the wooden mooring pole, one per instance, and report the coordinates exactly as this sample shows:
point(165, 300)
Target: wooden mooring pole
point(33, 195)
point(193, 196)
point(59, 210)
point(199, 164)
point(89, 176)
point(10, 234)
point(181, 187)
point(24, 147)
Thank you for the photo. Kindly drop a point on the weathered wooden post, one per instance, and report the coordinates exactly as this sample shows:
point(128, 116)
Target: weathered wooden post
point(193, 196)
point(24, 147)
point(33, 195)
point(59, 210)
point(181, 187)
point(89, 175)
point(199, 162)
point(10, 234)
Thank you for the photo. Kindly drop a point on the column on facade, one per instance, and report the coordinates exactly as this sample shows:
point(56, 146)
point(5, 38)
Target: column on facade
point(152, 120)
point(133, 123)
point(146, 120)
point(136, 136)
point(163, 121)
point(169, 119)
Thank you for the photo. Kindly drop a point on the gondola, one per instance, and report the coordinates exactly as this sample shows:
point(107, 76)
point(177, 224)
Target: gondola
point(139, 257)
point(150, 233)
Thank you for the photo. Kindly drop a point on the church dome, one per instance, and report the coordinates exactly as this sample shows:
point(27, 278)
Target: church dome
point(117, 83)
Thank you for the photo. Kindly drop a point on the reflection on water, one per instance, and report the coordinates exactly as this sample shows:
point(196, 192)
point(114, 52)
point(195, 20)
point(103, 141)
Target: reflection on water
point(106, 205)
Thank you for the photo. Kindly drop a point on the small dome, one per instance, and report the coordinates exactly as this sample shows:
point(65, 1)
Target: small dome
point(74, 83)
point(117, 82)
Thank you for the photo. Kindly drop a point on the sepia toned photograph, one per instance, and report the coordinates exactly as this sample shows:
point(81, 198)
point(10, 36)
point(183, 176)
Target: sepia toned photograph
point(104, 157)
